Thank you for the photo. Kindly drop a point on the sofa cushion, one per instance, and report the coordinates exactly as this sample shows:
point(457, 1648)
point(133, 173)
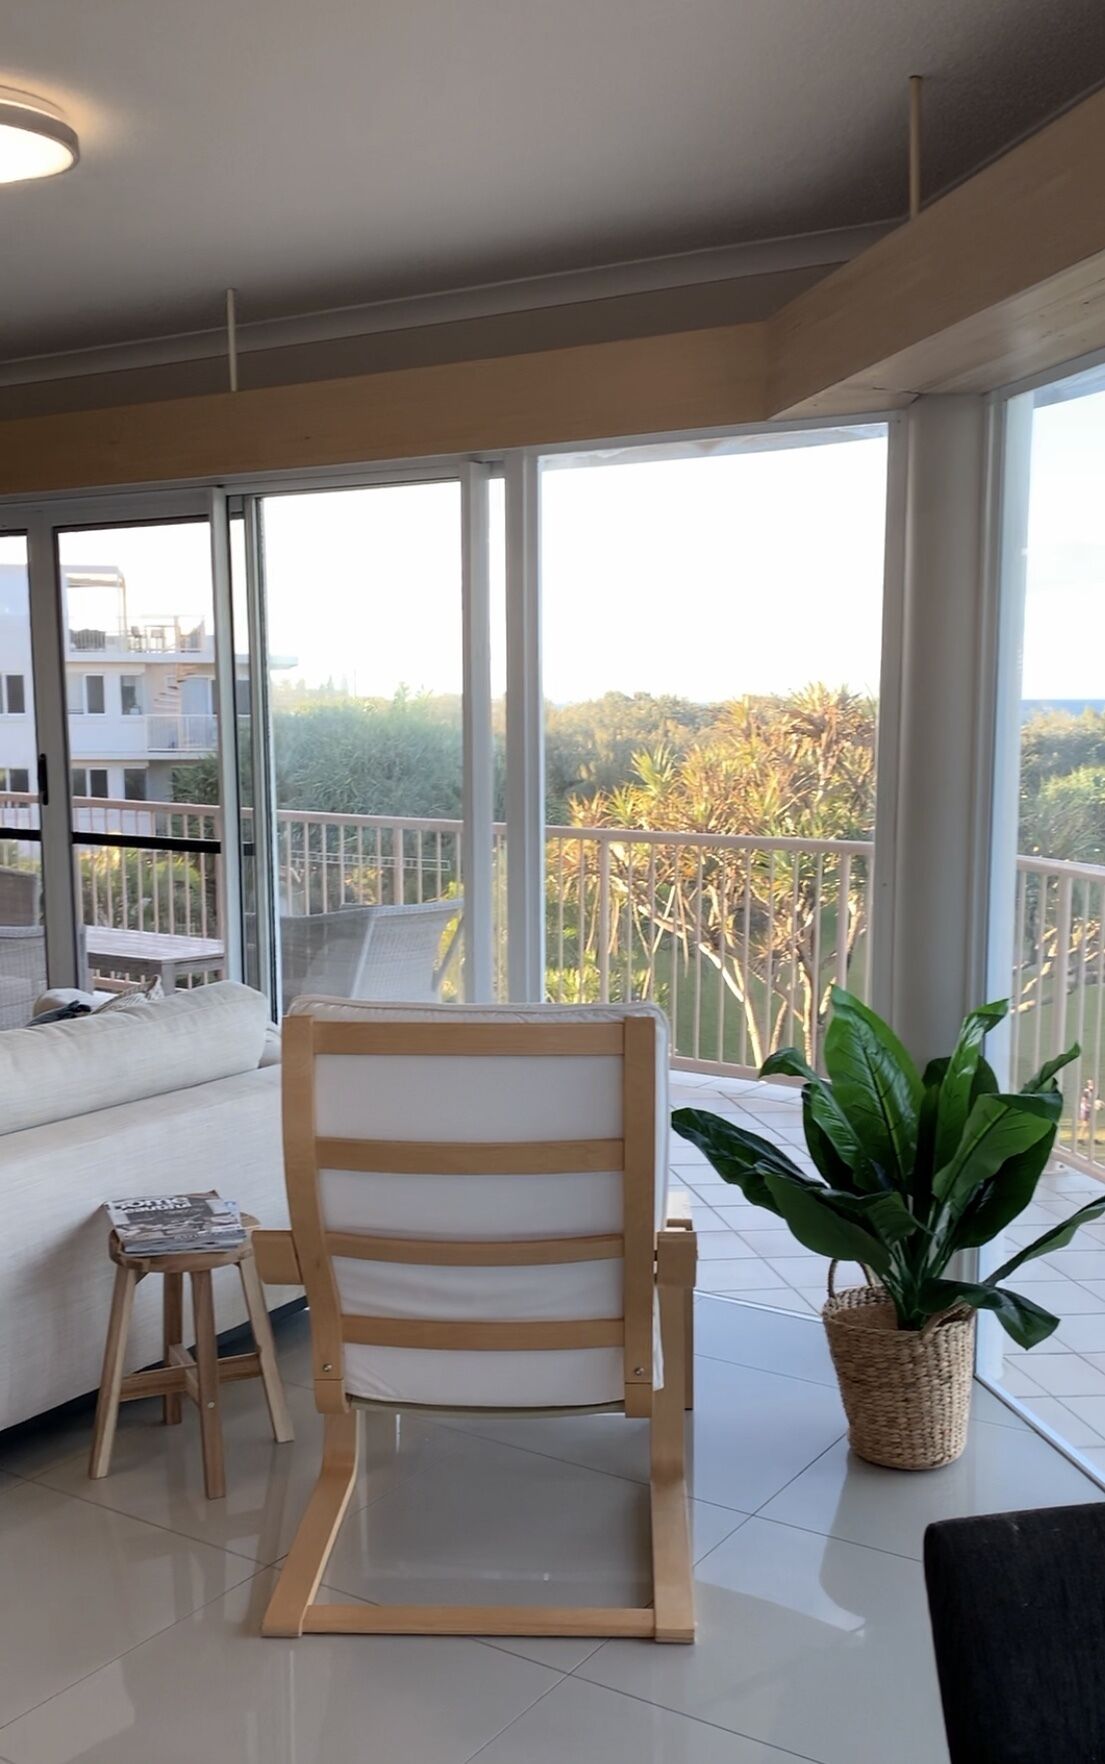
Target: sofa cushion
point(65, 1069)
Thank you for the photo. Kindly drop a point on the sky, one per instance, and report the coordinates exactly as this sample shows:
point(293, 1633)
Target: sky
point(707, 576)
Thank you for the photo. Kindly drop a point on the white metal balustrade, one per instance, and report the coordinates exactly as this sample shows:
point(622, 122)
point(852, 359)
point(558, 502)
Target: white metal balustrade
point(739, 938)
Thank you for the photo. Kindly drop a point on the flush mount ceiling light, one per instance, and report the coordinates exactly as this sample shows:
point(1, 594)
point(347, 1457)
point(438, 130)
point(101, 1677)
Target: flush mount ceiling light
point(35, 139)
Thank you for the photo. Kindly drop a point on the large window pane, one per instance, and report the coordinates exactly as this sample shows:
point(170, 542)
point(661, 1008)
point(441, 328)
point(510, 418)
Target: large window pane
point(138, 619)
point(712, 637)
point(363, 613)
point(22, 938)
point(1050, 878)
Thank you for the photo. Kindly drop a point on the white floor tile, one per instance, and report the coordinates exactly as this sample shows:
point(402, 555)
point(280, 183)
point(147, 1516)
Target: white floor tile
point(579, 1723)
point(726, 1329)
point(738, 1274)
point(1062, 1416)
point(724, 1244)
point(1002, 1470)
point(816, 1646)
point(1016, 1381)
point(988, 1407)
point(1083, 1334)
point(1063, 1375)
point(82, 1585)
point(212, 1689)
point(157, 1473)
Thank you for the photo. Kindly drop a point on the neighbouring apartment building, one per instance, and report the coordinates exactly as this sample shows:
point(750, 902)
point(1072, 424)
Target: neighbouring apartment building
point(140, 690)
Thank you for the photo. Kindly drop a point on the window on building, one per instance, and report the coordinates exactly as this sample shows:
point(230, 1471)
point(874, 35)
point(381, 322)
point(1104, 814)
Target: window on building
point(89, 781)
point(13, 695)
point(17, 779)
point(94, 696)
point(134, 783)
point(130, 694)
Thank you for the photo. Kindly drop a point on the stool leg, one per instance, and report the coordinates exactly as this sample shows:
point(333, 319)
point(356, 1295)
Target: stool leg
point(111, 1378)
point(266, 1349)
point(207, 1381)
point(172, 1331)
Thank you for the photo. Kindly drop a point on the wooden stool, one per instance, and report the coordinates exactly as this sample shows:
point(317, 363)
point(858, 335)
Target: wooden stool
point(182, 1375)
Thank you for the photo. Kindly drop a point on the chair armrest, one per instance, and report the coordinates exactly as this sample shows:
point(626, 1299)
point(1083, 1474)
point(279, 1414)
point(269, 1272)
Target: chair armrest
point(277, 1262)
point(680, 1217)
point(676, 1256)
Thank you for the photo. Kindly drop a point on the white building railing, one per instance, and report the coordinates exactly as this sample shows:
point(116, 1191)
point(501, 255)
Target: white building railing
point(739, 938)
point(184, 733)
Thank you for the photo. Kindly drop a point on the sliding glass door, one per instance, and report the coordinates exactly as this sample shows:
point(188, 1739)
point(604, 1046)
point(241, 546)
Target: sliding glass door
point(22, 935)
point(1048, 860)
point(371, 715)
point(138, 628)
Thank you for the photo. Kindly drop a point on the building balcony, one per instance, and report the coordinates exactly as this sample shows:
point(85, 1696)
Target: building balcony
point(161, 638)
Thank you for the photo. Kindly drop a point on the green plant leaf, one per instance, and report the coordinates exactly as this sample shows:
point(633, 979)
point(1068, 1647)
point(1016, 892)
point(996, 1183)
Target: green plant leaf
point(998, 1202)
point(986, 1081)
point(833, 1167)
point(1056, 1238)
point(738, 1156)
point(787, 1062)
point(923, 1164)
point(875, 1084)
point(957, 1085)
point(822, 1114)
point(1026, 1322)
point(1046, 1074)
point(819, 1227)
point(997, 1128)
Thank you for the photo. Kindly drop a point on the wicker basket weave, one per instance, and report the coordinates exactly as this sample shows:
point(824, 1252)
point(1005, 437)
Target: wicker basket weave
point(906, 1393)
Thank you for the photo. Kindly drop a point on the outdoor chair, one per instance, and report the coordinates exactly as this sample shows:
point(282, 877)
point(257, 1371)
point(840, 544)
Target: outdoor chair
point(374, 952)
point(22, 973)
point(478, 1204)
point(19, 891)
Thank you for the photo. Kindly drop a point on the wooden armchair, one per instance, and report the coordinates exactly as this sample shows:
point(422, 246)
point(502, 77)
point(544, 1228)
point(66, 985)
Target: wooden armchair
point(478, 1207)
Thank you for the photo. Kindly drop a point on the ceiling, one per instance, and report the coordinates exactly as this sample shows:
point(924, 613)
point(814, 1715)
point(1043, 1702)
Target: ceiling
point(345, 151)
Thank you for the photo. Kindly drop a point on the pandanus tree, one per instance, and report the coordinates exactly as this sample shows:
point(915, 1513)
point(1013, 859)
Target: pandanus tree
point(912, 1167)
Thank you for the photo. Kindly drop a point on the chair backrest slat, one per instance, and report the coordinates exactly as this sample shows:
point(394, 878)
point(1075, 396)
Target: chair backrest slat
point(479, 1336)
point(415, 1157)
point(495, 1252)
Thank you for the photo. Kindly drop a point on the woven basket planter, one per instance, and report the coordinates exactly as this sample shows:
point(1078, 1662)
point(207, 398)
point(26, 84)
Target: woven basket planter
point(906, 1393)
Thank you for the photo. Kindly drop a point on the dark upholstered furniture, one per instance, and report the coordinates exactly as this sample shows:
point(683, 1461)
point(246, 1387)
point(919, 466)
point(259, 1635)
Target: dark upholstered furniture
point(1017, 1602)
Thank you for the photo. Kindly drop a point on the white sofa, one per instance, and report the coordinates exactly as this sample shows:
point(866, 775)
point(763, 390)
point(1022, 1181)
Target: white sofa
point(181, 1094)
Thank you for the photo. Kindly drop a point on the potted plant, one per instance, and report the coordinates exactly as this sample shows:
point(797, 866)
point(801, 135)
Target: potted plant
point(914, 1168)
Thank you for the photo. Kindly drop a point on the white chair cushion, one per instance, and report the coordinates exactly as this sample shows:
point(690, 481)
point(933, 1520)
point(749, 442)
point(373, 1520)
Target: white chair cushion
point(470, 1098)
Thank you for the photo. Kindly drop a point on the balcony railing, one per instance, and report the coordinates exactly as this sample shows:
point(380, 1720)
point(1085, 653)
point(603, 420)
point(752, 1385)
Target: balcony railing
point(155, 636)
point(739, 939)
point(182, 734)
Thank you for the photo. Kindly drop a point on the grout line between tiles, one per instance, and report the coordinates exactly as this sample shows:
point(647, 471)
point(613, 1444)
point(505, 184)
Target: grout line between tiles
point(115, 1659)
point(699, 1720)
point(480, 1750)
point(67, 1494)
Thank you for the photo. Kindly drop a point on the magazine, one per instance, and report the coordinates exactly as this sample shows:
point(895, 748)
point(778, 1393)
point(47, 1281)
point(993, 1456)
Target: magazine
point(176, 1224)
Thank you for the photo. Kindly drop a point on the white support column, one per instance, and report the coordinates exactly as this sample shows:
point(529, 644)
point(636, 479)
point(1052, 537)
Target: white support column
point(60, 888)
point(478, 761)
point(525, 734)
point(226, 700)
point(941, 816)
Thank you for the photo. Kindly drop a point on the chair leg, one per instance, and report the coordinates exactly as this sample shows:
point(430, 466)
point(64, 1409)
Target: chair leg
point(172, 1311)
point(259, 1322)
point(305, 1563)
point(688, 1348)
point(111, 1378)
point(672, 1570)
point(207, 1383)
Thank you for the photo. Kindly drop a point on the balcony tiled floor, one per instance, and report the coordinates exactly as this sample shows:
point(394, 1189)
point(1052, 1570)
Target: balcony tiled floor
point(130, 1631)
point(746, 1253)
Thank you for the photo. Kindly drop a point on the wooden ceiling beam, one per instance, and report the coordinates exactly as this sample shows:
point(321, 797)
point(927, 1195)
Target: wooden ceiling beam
point(1002, 277)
